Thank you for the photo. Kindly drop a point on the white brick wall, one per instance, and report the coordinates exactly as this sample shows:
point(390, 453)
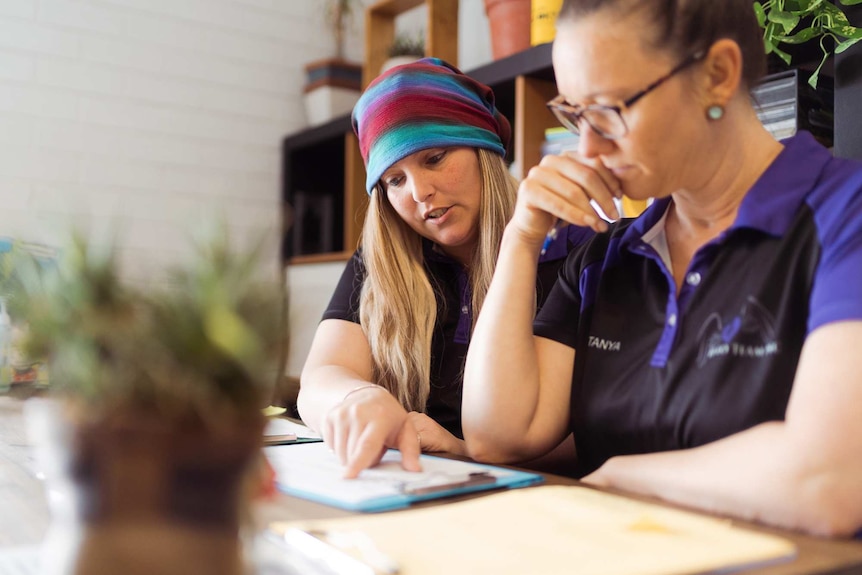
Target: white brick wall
point(147, 118)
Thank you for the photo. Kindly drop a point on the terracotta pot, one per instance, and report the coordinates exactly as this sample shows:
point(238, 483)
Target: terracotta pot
point(135, 495)
point(510, 26)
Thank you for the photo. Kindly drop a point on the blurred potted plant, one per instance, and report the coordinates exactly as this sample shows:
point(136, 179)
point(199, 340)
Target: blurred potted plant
point(405, 48)
point(333, 85)
point(799, 22)
point(158, 420)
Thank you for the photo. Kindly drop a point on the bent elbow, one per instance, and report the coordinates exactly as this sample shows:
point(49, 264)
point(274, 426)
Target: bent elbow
point(301, 404)
point(832, 508)
point(833, 523)
point(485, 448)
point(478, 447)
point(306, 399)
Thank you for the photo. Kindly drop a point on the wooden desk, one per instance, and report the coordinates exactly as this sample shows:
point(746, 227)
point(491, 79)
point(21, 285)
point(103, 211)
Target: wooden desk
point(24, 513)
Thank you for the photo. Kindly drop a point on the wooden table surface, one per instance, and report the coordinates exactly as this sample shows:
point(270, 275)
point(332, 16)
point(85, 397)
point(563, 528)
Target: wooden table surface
point(24, 513)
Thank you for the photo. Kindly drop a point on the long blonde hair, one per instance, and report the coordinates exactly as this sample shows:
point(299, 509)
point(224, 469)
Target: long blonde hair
point(398, 305)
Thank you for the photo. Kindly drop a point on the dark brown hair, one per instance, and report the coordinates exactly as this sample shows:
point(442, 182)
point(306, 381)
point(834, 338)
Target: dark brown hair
point(684, 27)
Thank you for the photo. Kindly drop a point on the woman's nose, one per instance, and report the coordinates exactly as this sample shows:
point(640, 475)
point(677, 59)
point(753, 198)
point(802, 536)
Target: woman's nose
point(421, 189)
point(591, 144)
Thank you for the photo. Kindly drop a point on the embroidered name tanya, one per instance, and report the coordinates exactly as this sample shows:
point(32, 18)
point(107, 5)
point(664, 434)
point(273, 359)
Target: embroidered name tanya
point(604, 344)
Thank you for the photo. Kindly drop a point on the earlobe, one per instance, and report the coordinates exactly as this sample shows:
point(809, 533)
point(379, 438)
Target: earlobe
point(723, 66)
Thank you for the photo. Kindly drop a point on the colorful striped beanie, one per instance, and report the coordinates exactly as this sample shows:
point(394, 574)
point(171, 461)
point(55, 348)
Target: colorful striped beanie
point(421, 105)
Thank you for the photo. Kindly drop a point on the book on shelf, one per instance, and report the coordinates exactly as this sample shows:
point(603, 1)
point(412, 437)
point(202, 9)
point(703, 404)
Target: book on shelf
point(785, 104)
point(558, 140)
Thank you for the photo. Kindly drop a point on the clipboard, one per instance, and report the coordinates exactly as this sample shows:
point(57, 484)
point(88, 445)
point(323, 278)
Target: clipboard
point(284, 431)
point(311, 471)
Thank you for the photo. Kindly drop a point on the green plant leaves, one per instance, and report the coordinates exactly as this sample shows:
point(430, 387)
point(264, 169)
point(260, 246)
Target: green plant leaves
point(847, 43)
point(804, 7)
point(820, 20)
point(760, 13)
point(786, 19)
point(801, 36)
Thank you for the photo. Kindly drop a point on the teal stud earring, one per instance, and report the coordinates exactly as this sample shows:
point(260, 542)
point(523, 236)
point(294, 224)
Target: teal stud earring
point(715, 112)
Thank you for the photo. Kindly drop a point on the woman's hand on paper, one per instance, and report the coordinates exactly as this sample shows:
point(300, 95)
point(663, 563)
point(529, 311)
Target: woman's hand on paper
point(560, 188)
point(362, 427)
point(433, 437)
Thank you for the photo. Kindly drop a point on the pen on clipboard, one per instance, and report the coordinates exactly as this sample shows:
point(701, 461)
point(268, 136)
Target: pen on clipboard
point(341, 552)
point(552, 235)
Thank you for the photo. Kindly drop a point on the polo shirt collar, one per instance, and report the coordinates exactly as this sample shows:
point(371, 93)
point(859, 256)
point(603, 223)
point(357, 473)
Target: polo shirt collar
point(645, 222)
point(772, 202)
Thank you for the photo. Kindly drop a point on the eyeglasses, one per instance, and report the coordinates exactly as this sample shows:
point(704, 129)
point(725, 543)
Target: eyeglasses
point(607, 121)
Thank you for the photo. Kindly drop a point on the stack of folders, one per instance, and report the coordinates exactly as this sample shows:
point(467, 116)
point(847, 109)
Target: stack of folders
point(552, 530)
point(785, 104)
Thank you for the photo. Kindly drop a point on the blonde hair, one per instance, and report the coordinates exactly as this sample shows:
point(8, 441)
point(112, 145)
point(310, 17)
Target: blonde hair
point(398, 304)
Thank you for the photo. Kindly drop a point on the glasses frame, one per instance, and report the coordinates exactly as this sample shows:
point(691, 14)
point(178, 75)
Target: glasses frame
point(570, 115)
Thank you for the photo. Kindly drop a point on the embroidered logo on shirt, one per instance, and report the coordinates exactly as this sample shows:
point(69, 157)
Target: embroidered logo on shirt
point(750, 334)
point(603, 344)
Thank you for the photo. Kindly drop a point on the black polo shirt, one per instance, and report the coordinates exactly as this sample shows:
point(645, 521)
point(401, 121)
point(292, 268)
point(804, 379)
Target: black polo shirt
point(454, 316)
point(656, 370)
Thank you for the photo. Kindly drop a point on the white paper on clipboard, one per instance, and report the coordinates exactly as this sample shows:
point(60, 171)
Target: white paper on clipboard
point(313, 472)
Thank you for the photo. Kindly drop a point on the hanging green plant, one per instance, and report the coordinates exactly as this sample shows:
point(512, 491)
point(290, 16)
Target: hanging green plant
point(801, 21)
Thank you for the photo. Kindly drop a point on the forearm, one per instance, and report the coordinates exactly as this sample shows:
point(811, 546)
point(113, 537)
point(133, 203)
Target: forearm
point(768, 474)
point(501, 373)
point(322, 388)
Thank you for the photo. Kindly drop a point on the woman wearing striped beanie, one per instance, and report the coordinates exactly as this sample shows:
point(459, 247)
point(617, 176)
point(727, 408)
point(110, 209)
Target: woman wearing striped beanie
point(385, 368)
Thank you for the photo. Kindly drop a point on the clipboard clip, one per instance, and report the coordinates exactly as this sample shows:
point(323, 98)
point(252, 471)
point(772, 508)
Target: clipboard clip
point(425, 487)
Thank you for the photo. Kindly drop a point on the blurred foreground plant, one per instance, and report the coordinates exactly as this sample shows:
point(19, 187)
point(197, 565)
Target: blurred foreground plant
point(203, 350)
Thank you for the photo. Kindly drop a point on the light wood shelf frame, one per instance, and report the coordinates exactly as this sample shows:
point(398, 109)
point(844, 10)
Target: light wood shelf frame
point(441, 31)
point(532, 118)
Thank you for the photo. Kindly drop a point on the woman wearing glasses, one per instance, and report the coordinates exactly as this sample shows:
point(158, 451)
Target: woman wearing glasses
point(705, 352)
point(385, 368)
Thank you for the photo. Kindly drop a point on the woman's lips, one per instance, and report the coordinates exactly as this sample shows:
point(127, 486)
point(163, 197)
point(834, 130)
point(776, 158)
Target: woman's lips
point(436, 213)
point(621, 171)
